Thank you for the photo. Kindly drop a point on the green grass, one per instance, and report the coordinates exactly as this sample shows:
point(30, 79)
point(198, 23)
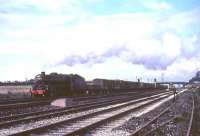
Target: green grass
point(159, 132)
point(180, 119)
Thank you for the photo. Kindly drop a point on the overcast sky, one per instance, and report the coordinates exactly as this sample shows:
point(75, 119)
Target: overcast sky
point(114, 39)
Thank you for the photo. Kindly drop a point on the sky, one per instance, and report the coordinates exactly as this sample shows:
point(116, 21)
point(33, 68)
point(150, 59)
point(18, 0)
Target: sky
point(110, 39)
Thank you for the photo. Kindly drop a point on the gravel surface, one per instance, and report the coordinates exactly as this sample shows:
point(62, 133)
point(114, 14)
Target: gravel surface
point(71, 102)
point(35, 124)
point(196, 122)
point(117, 127)
point(12, 112)
point(35, 108)
point(20, 110)
point(181, 108)
point(76, 101)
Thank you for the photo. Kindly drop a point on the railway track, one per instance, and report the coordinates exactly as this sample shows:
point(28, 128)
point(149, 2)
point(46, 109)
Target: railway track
point(143, 130)
point(10, 101)
point(101, 102)
point(24, 104)
point(94, 116)
point(195, 131)
point(24, 100)
point(76, 102)
point(14, 104)
point(148, 130)
point(191, 123)
point(126, 125)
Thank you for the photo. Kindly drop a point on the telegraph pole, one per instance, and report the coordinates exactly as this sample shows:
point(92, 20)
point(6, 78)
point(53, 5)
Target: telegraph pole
point(155, 82)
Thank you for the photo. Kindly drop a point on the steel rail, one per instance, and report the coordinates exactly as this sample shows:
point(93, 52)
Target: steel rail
point(171, 119)
point(48, 100)
point(25, 115)
point(142, 128)
point(191, 119)
point(82, 130)
point(87, 116)
point(24, 104)
point(77, 108)
point(161, 125)
point(139, 130)
point(58, 112)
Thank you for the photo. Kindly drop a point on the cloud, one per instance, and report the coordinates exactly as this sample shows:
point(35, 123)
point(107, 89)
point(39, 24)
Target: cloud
point(190, 47)
point(137, 52)
point(92, 57)
point(64, 35)
point(153, 46)
point(157, 5)
point(132, 37)
point(125, 44)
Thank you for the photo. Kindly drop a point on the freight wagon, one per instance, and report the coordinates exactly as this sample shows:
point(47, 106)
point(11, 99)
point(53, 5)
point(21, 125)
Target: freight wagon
point(104, 86)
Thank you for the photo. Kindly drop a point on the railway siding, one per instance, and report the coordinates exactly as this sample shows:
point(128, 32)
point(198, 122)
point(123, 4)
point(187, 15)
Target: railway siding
point(175, 121)
point(56, 119)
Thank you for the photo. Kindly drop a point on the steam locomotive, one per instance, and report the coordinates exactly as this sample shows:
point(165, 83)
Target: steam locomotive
point(54, 85)
point(58, 85)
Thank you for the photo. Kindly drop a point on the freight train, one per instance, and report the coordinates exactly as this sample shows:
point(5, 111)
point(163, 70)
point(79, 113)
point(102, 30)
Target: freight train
point(54, 85)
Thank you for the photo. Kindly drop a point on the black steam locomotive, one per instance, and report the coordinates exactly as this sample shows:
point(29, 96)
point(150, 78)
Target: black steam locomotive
point(58, 85)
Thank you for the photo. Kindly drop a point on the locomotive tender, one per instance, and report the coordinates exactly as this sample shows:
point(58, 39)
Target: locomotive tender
point(54, 85)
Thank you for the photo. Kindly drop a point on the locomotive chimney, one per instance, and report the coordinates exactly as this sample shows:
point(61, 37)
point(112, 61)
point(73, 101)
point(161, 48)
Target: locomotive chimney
point(42, 75)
